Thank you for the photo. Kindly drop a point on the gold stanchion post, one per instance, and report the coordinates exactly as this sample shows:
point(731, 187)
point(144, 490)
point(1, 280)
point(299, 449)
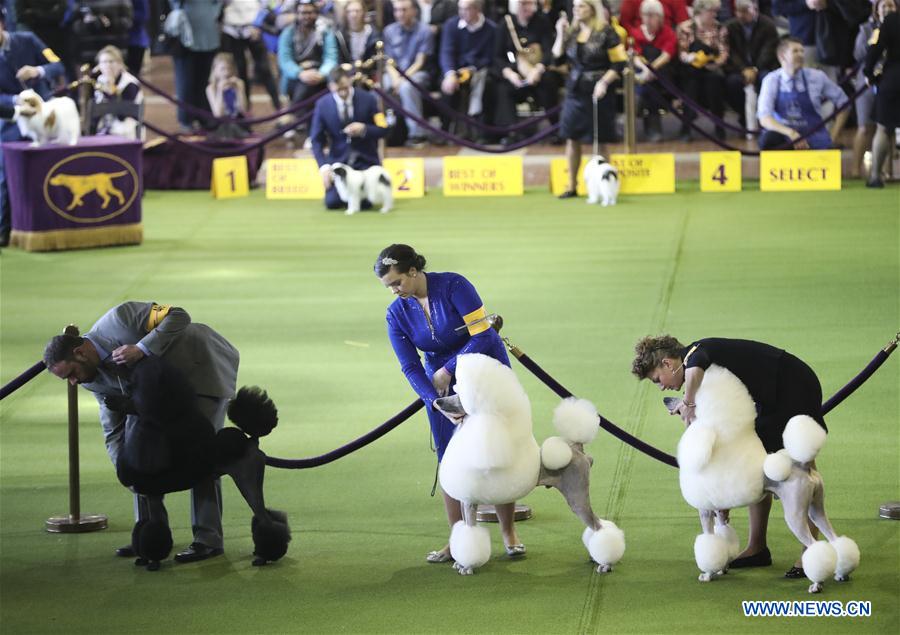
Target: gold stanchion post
point(74, 521)
point(628, 87)
point(85, 90)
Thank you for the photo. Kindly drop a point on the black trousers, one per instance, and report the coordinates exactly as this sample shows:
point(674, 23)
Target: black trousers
point(262, 71)
point(545, 95)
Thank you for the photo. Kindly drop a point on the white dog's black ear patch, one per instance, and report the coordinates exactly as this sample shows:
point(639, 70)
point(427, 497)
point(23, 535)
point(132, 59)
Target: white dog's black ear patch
point(341, 171)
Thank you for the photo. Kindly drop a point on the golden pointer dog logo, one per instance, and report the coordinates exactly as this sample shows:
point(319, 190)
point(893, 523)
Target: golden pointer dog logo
point(80, 185)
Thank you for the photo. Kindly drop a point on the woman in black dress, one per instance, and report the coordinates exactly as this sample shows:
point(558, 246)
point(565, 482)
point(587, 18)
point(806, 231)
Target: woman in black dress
point(887, 95)
point(780, 384)
point(595, 55)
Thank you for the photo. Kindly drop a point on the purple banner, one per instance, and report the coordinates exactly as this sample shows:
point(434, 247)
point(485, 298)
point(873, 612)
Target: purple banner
point(94, 184)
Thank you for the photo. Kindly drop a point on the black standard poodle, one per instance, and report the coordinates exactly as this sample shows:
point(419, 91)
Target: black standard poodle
point(170, 446)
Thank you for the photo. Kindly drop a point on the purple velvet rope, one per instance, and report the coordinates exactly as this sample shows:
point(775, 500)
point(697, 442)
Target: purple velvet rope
point(786, 146)
point(208, 116)
point(353, 446)
point(220, 151)
point(393, 103)
point(670, 86)
point(444, 108)
point(12, 386)
point(857, 381)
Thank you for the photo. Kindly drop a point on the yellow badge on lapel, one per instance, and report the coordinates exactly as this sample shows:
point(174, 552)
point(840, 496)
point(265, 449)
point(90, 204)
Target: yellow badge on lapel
point(380, 120)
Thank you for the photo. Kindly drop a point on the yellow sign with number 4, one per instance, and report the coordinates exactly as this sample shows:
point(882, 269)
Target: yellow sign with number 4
point(230, 177)
point(720, 171)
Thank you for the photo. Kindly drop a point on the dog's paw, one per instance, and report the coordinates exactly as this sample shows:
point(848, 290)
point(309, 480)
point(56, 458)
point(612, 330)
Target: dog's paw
point(604, 568)
point(463, 570)
point(706, 576)
point(385, 210)
point(350, 212)
point(841, 578)
point(815, 587)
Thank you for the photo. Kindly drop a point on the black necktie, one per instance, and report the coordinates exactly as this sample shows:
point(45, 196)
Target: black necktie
point(345, 112)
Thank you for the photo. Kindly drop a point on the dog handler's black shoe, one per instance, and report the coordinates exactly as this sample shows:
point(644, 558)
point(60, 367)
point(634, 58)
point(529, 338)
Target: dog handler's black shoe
point(761, 559)
point(795, 572)
point(197, 552)
point(125, 552)
point(568, 194)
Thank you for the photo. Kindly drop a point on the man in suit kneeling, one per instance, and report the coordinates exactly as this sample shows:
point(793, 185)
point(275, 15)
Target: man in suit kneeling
point(350, 123)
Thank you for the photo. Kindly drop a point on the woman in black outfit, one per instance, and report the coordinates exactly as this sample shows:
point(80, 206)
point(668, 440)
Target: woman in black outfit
point(780, 384)
point(887, 95)
point(596, 55)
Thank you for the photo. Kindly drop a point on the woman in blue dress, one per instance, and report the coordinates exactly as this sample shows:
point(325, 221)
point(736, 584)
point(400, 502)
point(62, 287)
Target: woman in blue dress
point(441, 315)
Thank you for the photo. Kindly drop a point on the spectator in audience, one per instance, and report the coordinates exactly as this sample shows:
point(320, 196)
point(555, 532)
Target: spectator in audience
point(349, 123)
point(227, 98)
point(524, 52)
point(703, 51)
point(790, 101)
point(44, 18)
point(752, 39)
point(552, 9)
point(194, 61)
point(674, 13)
point(138, 40)
point(25, 62)
point(307, 52)
point(865, 103)
point(596, 56)
point(355, 39)
point(654, 45)
point(409, 43)
point(437, 12)
point(114, 83)
point(467, 52)
point(93, 24)
point(801, 22)
point(241, 36)
point(887, 99)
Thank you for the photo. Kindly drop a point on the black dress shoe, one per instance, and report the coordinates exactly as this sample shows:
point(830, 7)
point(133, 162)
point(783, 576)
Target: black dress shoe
point(876, 183)
point(761, 559)
point(197, 552)
point(125, 552)
point(568, 194)
point(795, 572)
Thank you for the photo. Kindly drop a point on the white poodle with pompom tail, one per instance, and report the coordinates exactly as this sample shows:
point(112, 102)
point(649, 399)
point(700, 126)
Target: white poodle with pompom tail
point(722, 464)
point(493, 458)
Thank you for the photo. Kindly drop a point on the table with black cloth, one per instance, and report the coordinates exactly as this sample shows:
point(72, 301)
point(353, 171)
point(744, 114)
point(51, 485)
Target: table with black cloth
point(68, 197)
point(174, 165)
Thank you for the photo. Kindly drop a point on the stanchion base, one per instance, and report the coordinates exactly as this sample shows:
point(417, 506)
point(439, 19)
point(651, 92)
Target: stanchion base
point(75, 525)
point(890, 510)
point(488, 513)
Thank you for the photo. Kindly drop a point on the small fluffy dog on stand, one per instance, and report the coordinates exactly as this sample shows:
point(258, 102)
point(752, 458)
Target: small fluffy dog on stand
point(53, 121)
point(354, 186)
point(602, 181)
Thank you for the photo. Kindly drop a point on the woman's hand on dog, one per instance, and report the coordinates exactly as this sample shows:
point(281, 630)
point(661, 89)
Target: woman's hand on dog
point(128, 354)
point(441, 382)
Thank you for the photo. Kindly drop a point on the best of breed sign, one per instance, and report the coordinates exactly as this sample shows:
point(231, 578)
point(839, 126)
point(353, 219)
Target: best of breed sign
point(483, 176)
point(293, 179)
point(799, 170)
point(645, 173)
point(64, 197)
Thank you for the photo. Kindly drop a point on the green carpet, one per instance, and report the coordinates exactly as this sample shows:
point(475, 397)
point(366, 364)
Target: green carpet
point(292, 287)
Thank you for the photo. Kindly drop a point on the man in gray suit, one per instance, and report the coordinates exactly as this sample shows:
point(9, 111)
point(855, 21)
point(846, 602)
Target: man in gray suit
point(101, 361)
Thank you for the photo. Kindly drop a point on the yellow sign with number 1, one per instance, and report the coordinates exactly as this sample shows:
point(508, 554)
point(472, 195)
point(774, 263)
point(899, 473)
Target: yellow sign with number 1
point(229, 177)
point(720, 171)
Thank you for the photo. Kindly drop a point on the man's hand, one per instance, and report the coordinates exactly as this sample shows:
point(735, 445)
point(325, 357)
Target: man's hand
point(311, 76)
point(327, 176)
point(513, 77)
point(800, 144)
point(128, 354)
point(441, 382)
point(27, 72)
point(534, 77)
point(450, 84)
point(750, 75)
point(600, 90)
point(355, 129)
point(121, 404)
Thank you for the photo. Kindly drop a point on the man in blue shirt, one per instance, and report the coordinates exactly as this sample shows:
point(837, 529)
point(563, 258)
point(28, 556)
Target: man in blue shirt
point(467, 51)
point(790, 102)
point(409, 43)
point(25, 62)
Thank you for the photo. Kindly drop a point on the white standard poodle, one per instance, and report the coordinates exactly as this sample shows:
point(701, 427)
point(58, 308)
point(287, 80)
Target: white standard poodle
point(722, 464)
point(493, 458)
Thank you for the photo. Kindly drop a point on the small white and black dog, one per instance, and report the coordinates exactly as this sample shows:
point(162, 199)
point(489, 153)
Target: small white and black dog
point(53, 121)
point(602, 181)
point(354, 186)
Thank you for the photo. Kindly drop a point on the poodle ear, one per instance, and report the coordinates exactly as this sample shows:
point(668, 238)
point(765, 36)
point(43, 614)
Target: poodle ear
point(253, 412)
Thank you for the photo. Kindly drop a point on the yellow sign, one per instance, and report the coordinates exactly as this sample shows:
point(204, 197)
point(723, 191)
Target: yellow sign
point(645, 173)
point(559, 177)
point(720, 171)
point(229, 177)
point(483, 176)
point(793, 170)
point(293, 179)
point(407, 177)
